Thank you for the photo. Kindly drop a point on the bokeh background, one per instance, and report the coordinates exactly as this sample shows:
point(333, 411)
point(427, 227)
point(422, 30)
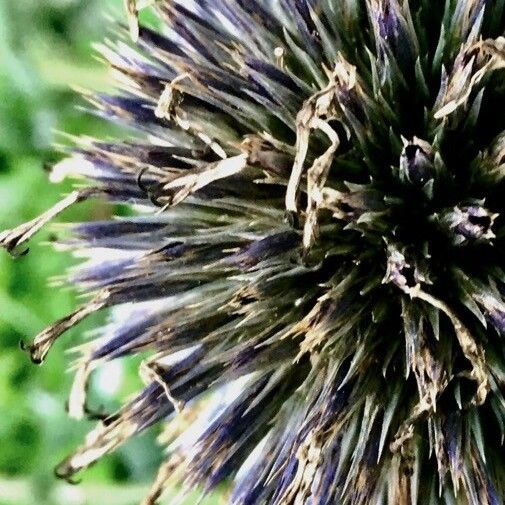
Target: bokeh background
point(45, 48)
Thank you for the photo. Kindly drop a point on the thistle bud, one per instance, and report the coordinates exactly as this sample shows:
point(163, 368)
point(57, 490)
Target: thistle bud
point(468, 224)
point(393, 33)
point(351, 205)
point(494, 309)
point(416, 162)
point(401, 273)
point(490, 165)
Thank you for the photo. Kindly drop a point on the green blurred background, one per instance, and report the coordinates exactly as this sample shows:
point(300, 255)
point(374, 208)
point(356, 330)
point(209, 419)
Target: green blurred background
point(45, 47)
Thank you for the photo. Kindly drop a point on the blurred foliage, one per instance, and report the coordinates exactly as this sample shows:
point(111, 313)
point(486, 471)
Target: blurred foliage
point(45, 47)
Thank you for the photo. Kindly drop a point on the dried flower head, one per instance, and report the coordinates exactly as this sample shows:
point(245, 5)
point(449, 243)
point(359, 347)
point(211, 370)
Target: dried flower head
point(316, 264)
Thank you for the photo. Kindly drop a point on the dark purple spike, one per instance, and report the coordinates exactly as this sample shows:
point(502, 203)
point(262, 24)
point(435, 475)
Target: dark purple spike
point(339, 396)
point(133, 109)
point(273, 73)
point(372, 447)
point(492, 493)
point(392, 31)
point(266, 248)
point(103, 274)
point(157, 405)
point(286, 477)
point(126, 291)
point(497, 319)
point(123, 193)
point(101, 229)
point(190, 17)
point(306, 27)
point(325, 493)
point(149, 39)
point(181, 368)
point(224, 425)
point(242, 187)
point(123, 340)
point(237, 14)
point(156, 156)
point(145, 152)
point(264, 18)
point(172, 250)
point(189, 36)
point(389, 21)
point(452, 432)
point(228, 428)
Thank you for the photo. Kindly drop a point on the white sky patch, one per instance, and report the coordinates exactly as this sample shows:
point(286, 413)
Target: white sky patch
point(109, 377)
point(97, 255)
point(69, 495)
point(44, 403)
point(75, 166)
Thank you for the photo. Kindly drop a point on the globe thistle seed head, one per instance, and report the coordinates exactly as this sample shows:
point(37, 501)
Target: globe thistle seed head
point(313, 271)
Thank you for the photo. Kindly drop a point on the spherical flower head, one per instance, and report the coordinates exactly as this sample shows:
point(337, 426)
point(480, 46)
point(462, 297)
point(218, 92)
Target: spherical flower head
point(314, 272)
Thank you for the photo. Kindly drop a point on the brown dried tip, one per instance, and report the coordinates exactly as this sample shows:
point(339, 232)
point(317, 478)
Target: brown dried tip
point(166, 473)
point(11, 239)
point(63, 472)
point(132, 16)
point(44, 341)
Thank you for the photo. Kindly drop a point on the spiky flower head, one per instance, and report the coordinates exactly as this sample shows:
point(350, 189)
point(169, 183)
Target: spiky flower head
point(315, 267)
